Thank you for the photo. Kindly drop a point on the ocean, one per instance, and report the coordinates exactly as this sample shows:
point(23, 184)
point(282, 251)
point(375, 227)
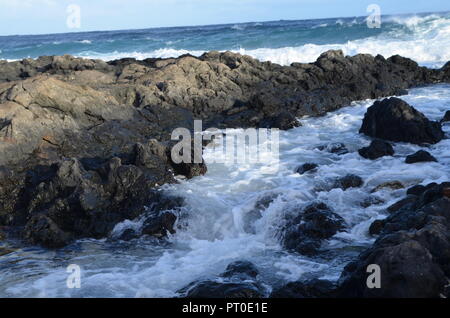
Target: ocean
point(215, 218)
point(423, 37)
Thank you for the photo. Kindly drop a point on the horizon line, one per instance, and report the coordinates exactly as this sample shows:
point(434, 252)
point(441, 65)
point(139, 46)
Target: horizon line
point(218, 24)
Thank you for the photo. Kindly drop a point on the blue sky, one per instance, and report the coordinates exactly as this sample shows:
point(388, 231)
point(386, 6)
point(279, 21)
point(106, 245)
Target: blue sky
point(50, 16)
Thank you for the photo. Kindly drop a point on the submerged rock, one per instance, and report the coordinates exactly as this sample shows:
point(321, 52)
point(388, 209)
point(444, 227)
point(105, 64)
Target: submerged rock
point(393, 119)
point(420, 156)
point(377, 149)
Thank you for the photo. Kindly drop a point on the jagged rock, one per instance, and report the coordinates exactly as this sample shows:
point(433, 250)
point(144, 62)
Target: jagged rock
point(349, 181)
point(446, 117)
point(114, 120)
point(420, 156)
point(315, 223)
point(42, 230)
point(314, 288)
point(393, 119)
point(307, 167)
point(413, 251)
point(377, 149)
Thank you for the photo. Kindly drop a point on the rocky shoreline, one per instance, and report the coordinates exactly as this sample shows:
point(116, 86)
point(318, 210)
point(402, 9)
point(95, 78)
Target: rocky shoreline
point(85, 144)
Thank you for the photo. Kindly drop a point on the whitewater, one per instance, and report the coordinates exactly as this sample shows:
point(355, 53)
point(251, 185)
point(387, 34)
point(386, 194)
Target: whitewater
point(216, 226)
point(422, 37)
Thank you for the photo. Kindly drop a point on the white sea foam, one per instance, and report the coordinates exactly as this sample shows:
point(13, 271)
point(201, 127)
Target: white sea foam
point(427, 44)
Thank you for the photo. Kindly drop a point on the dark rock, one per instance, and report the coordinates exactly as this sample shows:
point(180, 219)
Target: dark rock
point(420, 156)
point(43, 231)
point(128, 235)
point(376, 227)
point(314, 288)
point(238, 281)
point(159, 225)
point(416, 190)
point(393, 119)
point(305, 233)
point(212, 289)
point(283, 121)
point(410, 200)
point(446, 117)
point(190, 170)
point(242, 270)
point(412, 251)
point(336, 148)
point(377, 149)
point(307, 167)
point(349, 181)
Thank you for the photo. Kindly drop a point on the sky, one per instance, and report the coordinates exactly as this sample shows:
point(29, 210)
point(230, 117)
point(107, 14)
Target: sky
point(52, 16)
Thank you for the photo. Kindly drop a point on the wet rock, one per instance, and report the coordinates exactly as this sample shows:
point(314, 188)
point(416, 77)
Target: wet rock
point(349, 181)
point(190, 170)
point(394, 120)
point(408, 201)
point(377, 149)
point(159, 225)
point(128, 235)
point(41, 230)
point(416, 190)
point(283, 121)
point(413, 251)
point(307, 167)
point(376, 227)
point(337, 148)
point(241, 270)
point(314, 288)
point(420, 156)
point(305, 233)
point(393, 185)
point(238, 281)
point(212, 289)
point(446, 117)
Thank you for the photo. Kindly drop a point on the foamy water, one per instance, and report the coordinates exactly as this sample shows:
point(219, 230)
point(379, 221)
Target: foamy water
point(214, 228)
